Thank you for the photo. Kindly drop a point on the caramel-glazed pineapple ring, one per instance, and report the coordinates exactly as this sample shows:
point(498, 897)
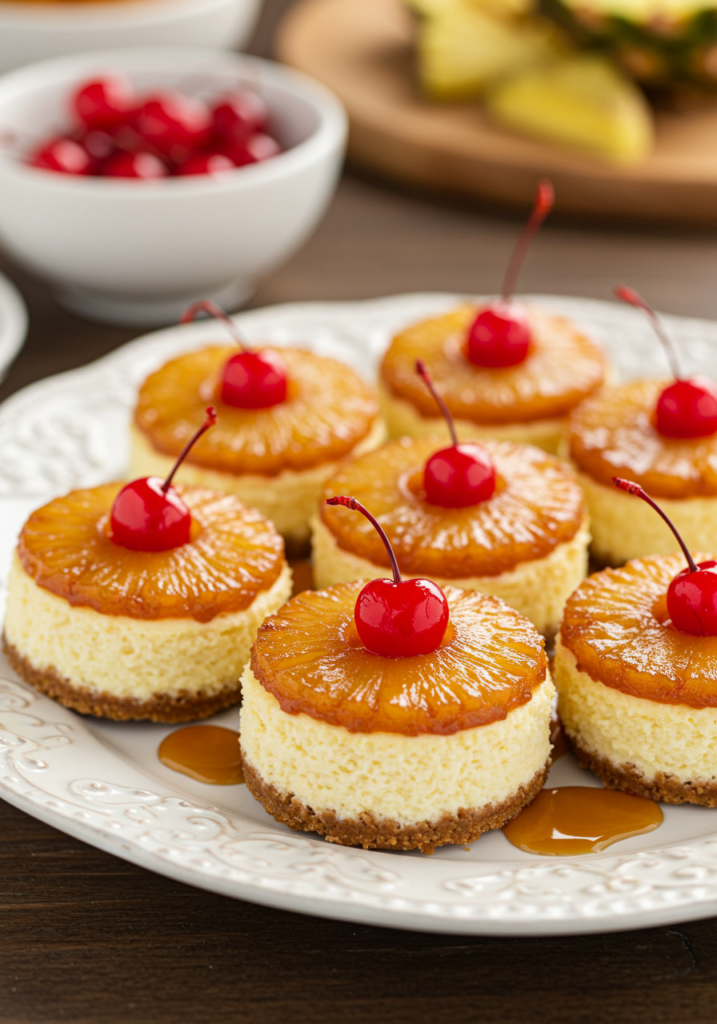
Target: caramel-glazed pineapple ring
point(329, 410)
point(617, 627)
point(563, 367)
point(613, 434)
point(537, 505)
point(234, 554)
point(309, 656)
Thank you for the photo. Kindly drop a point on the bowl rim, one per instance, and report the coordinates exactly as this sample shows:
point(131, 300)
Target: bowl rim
point(51, 16)
point(331, 132)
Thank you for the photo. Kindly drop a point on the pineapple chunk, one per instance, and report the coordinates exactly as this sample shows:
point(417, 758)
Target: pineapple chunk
point(463, 49)
point(583, 102)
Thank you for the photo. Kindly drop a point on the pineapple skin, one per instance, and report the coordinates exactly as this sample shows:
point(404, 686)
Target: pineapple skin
point(663, 51)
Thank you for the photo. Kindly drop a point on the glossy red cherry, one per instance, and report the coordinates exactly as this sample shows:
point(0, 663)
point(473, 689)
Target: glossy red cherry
point(692, 594)
point(103, 103)
point(252, 150)
point(148, 514)
point(173, 124)
point(458, 476)
point(250, 379)
point(397, 618)
point(240, 114)
point(145, 166)
point(64, 156)
point(206, 163)
point(500, 335)
point(687, 408)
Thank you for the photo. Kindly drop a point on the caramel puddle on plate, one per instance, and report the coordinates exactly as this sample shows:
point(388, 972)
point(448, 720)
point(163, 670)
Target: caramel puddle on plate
point(578, 819)
point(207, 753)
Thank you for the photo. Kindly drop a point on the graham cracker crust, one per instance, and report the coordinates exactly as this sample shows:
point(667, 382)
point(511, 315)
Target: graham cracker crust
point(183, 707)
point(373, 833)
point(627, 778)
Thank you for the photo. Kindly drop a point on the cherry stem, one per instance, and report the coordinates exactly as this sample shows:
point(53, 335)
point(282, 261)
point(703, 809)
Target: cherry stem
point(544, 199)
point(215, 311)
point(209, 422)
point(632, 488)
point(438, 397)
point(631, 296)
point(352, 503)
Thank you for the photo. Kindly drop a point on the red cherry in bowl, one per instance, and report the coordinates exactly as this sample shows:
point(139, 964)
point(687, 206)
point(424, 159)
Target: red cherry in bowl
point(688, 407)
point(63, 155)
point(206, 163)
point(103, 103)
point(692, 594)
point(173, 124)
point(240, 114)
point(148, 514)
point(458, 476)
point(145, 166)
point(250, 379)
point(500, 336)
point(397, 618)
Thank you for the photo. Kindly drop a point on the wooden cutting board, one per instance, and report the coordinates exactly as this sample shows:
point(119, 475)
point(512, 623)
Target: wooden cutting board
point(362, 49)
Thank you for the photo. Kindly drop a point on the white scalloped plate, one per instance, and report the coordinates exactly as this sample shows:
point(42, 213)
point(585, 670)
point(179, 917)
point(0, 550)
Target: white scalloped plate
point(102, 782)
point(13, 323)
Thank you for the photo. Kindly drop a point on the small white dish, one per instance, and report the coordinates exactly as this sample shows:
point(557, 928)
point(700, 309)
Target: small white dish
point(138, 252)
point(13, 324)
point(102, 781)
point(37, 31)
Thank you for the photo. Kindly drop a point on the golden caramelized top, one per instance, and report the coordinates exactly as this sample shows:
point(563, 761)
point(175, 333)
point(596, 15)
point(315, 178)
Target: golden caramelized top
point(562, 368)
point(536, 506)
point(234, 554)
point(309, 656)
point(617, 627)
point(329, 410)
point(614, 434)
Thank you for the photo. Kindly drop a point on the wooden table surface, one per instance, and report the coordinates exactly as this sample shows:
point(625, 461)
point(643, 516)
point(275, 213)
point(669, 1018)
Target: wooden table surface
point(85, 937)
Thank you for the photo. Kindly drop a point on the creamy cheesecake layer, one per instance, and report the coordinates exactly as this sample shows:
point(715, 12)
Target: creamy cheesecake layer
point(403, 420)
point(132, 658)
point(623, 528)
point(658, 740)
point(537, 589)
point(288, 499)
point(406, 779)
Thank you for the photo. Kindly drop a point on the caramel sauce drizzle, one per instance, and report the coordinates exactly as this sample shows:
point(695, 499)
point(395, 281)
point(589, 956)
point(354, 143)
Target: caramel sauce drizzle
point(578, 819)
point(207, 753)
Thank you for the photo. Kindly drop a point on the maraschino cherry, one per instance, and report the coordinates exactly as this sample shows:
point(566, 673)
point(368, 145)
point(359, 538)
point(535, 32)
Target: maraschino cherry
point(397, 618)
point(458, 476)
point(500, 334)
point(692, 594)
point(148, 514)
point(687, 408)
point(250, 380)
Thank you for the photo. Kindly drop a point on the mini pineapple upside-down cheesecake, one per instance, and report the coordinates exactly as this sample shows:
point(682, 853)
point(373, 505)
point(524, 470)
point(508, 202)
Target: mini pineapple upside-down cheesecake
point(392, 715)
point(142, 601)
point(505, 370)
point(661, 434)
point(636, 671)
point(505, 519)
point(286, 417)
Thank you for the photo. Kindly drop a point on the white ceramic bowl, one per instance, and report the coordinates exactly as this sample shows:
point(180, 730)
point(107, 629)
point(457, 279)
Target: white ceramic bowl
point(138, 251)
point(31, 32)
